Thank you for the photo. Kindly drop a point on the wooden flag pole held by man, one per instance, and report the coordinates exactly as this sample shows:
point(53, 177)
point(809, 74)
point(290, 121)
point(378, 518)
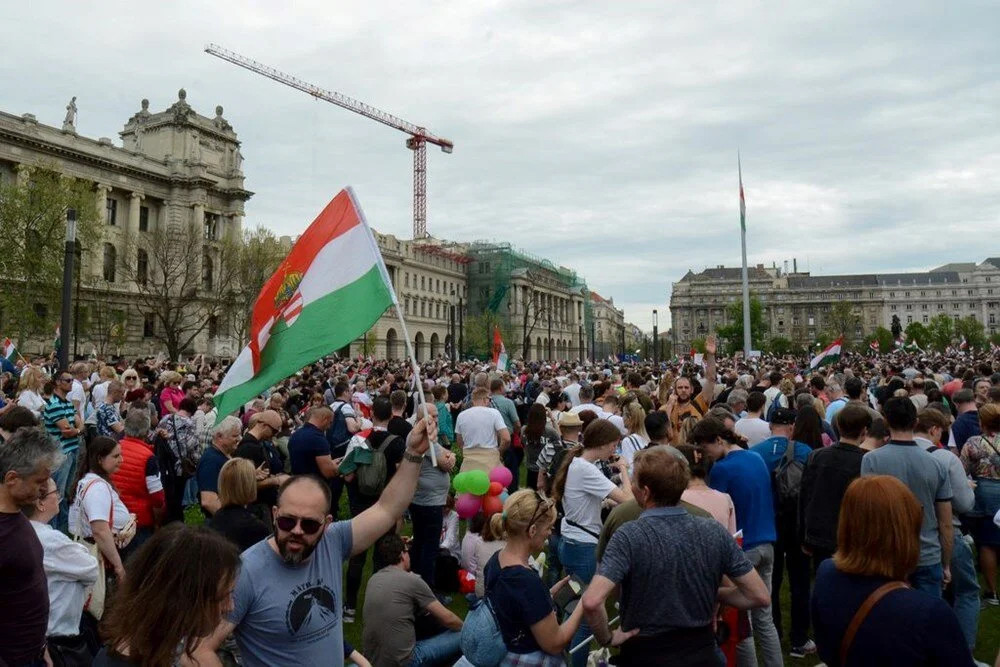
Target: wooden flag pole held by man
point(332, 288)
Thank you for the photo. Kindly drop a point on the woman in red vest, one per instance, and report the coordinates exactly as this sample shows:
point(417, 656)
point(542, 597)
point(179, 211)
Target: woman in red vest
point(138, 479)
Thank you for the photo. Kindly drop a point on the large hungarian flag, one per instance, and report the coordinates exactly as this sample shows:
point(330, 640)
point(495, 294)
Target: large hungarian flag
point(829, 355)
point(331, 288)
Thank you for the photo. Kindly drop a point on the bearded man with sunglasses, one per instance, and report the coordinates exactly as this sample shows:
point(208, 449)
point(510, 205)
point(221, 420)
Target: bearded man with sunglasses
point(287, 602)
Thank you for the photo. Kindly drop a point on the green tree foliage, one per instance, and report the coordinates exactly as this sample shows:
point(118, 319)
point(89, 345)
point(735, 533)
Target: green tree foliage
point(973, 330)
point(896, 328)
point(33, 220)
point(479, 336)
point(843, 320)
point(731, 335)
point(780, 346)
point(919, 334)
point(940, 331)
point(884, 338)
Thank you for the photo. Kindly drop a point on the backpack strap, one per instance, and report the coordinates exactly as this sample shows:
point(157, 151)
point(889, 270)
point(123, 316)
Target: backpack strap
point(862, 613)
point(385, 443)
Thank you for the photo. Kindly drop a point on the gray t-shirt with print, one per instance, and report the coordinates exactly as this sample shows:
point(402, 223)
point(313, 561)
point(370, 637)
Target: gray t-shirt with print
point(291, 614)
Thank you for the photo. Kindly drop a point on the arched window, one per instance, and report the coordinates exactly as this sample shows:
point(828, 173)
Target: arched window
point(141, 267)
point(110, 259)
point(207, 271)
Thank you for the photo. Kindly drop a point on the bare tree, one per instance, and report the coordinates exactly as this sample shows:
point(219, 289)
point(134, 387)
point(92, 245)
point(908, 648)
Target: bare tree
point(183, 284)
point(256, 260)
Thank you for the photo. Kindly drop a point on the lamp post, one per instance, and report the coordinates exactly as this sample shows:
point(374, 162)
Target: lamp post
point(461, 327)
point(656, 340)
point(67, 289)
point(451, 327)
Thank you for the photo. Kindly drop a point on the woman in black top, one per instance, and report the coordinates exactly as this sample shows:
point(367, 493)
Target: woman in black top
point(237, 489)
point(878, 546)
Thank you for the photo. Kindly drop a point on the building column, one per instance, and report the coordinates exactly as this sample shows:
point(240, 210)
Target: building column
point(197, 239)
point(234, 228)
point(97, 270)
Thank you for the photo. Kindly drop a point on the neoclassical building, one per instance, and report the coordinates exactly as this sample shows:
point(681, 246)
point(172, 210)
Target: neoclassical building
point(797, 305)
point(174, 168)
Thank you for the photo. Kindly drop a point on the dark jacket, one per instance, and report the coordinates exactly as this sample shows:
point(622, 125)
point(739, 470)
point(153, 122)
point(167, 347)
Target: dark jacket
point(966, 425)
point(828, 473)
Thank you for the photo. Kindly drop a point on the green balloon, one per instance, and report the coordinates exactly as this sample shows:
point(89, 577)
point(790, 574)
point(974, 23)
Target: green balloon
point(478, 482)
point(459, 482)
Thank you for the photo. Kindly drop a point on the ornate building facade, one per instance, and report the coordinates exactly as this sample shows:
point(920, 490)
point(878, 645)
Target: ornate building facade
point(797, 305)
point(175, 169)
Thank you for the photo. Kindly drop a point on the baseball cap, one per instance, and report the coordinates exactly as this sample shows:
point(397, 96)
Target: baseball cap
point(271, 418)
point(783, 416)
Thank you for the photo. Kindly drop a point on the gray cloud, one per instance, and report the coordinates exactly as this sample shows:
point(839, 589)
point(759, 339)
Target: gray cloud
point(600, 135)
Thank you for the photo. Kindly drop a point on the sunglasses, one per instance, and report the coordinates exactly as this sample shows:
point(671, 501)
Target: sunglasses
point(541, 509)
point(288, 523)
point(65, 379)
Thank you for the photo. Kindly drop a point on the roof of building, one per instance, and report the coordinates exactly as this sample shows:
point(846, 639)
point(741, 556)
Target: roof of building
point(725, 273)
point(925, 278)
point(956, 266)
point(856, 280)
point(995, 261)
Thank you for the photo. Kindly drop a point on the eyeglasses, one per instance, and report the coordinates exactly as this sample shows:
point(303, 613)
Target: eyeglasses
point(288, 523)
point(45, 495)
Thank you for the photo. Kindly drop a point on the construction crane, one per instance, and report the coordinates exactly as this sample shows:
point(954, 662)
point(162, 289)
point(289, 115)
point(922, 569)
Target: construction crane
point(417, 141)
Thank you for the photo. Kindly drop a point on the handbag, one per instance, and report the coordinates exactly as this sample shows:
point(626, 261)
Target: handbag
point(482, 642)
point(862, 613)
point(98, 592)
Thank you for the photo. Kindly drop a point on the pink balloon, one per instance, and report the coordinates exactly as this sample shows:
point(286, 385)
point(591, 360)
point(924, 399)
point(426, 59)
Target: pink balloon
point(466, 505)
point(501, 474)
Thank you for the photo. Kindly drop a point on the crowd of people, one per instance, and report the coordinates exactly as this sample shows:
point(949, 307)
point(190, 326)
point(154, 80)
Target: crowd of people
point(686, 493)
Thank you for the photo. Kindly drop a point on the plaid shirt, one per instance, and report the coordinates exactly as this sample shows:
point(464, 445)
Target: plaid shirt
point(182, 438)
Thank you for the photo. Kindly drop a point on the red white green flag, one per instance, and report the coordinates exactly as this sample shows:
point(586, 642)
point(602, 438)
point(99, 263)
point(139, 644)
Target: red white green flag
point(743, 200)
point(332, 288)
point(499, 351)
point(9, 351)
point(829, 355)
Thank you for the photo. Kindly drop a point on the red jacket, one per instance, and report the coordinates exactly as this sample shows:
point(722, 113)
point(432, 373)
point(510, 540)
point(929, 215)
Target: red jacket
point(130, 480)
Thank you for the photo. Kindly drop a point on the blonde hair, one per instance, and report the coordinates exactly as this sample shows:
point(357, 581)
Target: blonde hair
point(107, 373)
point(237, 482)
point(32, 378)
point(523, 509)
point(169, 377)
point(634, 417)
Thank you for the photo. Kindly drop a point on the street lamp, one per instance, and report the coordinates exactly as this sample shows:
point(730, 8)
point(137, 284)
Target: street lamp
point(656, 340)
point(67, 289)
point(451, 326)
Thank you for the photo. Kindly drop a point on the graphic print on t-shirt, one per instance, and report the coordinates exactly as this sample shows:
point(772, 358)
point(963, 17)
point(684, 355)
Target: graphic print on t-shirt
point(312, 611)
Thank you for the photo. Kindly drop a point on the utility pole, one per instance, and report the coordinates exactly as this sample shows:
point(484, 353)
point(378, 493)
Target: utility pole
point(656, 340)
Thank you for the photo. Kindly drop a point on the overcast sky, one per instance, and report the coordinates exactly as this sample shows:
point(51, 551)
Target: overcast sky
point(602, 135)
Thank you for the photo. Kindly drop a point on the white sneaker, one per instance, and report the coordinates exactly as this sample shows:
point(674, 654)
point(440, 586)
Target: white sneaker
point(802, 651)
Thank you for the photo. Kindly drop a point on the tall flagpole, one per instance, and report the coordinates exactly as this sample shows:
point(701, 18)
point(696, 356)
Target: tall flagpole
point(746, 281)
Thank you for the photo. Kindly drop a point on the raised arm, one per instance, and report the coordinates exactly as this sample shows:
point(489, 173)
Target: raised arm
point(378, 519)
point(708, 389)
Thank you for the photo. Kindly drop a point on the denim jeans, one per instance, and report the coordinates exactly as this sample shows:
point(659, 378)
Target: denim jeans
point(442, 649)
point(580, 559)
point(512, 461)
point(64, 477)
point(427, 522)
point(553, 566)
point(764, 632)
point(965, 588)
point(928, 578)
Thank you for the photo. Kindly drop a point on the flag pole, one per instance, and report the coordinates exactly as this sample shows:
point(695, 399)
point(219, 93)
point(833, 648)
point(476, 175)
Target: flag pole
point(399, 314)
point(746, 281)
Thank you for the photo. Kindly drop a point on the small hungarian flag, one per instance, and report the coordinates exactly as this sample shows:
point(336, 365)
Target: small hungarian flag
point(874, 345)
point(828, 356)
point(964, 345)
point(499, 351)
point(743, 201)
point(332, 288)
point(9, 353)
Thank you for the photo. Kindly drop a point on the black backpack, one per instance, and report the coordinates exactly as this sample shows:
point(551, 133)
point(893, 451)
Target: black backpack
point(788, 481)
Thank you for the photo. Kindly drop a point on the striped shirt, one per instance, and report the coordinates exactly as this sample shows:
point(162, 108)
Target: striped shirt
point(55, 411)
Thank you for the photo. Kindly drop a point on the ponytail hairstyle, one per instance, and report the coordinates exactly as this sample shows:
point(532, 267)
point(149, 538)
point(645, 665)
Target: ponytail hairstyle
point(524, 509)
point(598, 433)
point(493, 529)
point(635, 418)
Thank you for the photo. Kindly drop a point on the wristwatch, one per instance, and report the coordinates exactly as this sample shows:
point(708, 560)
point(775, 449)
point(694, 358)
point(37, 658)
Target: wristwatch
point(411, 457)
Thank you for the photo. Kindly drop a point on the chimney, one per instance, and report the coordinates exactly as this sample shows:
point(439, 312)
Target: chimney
point(795, 265)
point(786, 267)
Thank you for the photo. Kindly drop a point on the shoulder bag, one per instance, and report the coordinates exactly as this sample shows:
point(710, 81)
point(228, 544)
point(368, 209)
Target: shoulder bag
point(862, 613)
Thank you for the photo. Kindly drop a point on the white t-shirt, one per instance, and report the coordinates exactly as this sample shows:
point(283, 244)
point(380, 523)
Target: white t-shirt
point(32, 401)
point(754, 429)
point(769, 394)
point(96, 506)
point(78, 396)
point(632, 444)
point(478, 427)
point(619, 422)
point(573, 391)
point(593, 407)
point(99, 394)
point(586, 489)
